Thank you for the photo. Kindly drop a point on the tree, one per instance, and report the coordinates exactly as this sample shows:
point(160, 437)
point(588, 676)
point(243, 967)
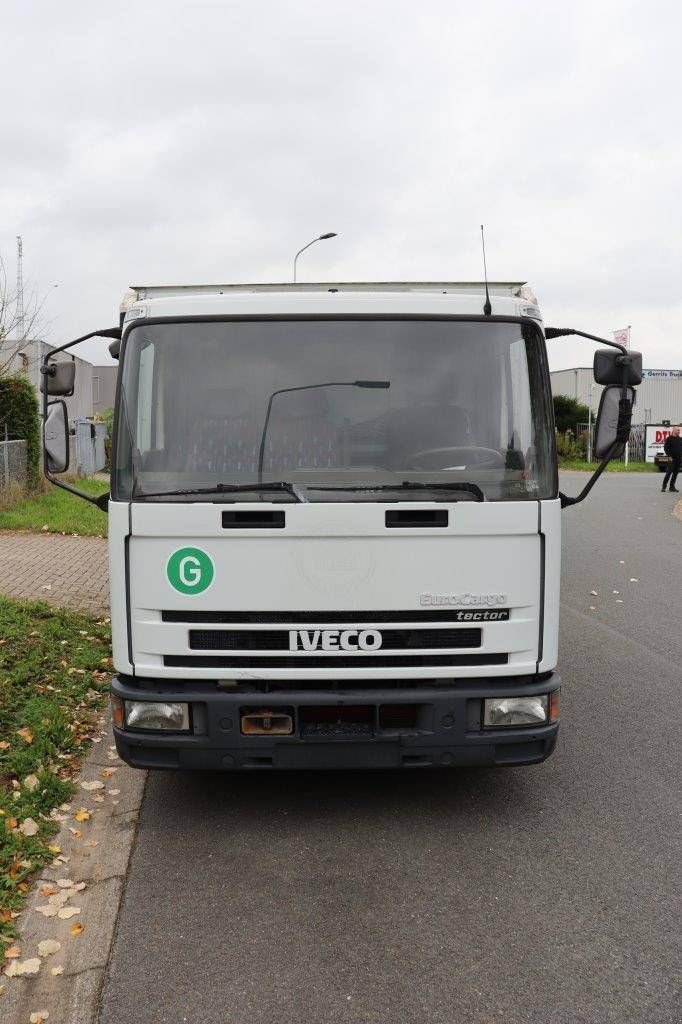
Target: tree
point(19, 414)
point(568, 413)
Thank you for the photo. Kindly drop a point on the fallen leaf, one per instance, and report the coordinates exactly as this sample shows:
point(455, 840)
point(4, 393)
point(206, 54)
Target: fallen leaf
point(53, 848)
point(75, 832)
point(107, 772)
point(592, 608)
point(633, 580)
point(38, 1017)
point(31, 966)
point(77, 887)
point(29, 827)
point(48, 911)
point(4, 745)
point(12, 969)
point(113, 792)
point(98, 798)
point(56, 971)
point(26, 734)
point(594, 593)
point(66, 912)
point(59, 898)
point(47, 890)
point(13, 952)
point(64, 883)
point(10, 824)
point(48, 946)
point(30, 782)
point(90, 786)
point(77, 928)
point(82, 815)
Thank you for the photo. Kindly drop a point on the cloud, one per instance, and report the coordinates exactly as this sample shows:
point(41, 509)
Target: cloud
point(162, 142)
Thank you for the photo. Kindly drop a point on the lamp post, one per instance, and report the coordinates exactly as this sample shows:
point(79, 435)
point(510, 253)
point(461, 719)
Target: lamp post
point(320, 238)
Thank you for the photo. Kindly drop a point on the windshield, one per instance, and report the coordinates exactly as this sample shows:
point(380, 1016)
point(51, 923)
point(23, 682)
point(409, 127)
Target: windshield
point(336, 407)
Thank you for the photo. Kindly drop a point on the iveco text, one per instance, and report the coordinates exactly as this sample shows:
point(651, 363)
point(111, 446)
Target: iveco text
point(335, 523)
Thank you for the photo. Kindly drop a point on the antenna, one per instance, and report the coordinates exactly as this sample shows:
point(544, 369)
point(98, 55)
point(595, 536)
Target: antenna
point(487, 308)
point(20, 290)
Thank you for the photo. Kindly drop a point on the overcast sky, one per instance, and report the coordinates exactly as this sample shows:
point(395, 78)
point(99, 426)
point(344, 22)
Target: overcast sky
point(165, 142)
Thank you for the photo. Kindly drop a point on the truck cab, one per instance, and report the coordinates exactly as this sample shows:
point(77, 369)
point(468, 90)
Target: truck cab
point(334, 528)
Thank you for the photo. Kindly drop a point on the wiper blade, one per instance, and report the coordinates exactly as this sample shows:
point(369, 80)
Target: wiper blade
point(276, 486)
point(411, 485)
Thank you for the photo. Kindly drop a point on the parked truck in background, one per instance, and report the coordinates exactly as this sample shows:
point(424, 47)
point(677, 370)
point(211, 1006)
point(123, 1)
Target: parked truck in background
point(335, 523)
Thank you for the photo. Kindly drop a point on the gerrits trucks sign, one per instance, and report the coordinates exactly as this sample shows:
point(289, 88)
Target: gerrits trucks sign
point(655, 439)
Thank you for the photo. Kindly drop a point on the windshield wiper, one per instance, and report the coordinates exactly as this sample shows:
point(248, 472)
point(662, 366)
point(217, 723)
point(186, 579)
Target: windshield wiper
point(411, 485)
point(275, 486)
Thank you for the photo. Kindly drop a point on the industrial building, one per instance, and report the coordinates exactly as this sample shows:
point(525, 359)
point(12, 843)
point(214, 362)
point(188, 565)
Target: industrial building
point(94, 385)
point(659, 396)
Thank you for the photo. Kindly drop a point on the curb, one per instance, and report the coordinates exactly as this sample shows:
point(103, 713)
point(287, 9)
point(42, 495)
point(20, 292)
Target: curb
point(99, 858)
point(677, 511)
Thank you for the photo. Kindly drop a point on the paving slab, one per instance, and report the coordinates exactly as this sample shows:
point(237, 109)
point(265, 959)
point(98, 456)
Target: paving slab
point(69, 572)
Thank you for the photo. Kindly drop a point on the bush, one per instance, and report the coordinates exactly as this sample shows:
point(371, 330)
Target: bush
point(570, 447)
point(568, 413)
point(19, 413)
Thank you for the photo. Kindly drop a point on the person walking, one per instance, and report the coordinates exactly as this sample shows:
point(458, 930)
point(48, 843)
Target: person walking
point(672, 448)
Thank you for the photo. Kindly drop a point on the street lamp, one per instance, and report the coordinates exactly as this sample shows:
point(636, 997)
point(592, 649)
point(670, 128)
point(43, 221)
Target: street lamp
point(320, 238)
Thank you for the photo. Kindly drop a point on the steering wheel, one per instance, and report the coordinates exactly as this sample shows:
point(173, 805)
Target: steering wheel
point(463, 456)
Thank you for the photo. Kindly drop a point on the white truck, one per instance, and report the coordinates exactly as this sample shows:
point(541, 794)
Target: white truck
point(334, 523)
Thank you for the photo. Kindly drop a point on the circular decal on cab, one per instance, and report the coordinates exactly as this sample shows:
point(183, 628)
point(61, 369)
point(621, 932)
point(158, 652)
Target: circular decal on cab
point(190, 570)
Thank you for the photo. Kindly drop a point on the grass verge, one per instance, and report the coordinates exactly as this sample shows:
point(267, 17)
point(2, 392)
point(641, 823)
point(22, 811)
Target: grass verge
point(613, 467)
point(54, 672)
point(56, 511)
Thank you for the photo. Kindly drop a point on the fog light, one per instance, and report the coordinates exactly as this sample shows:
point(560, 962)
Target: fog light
point(147, 714)
point(511, 711)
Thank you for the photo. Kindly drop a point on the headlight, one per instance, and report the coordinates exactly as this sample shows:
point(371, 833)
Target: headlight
point(511, 711)
point(171, 717)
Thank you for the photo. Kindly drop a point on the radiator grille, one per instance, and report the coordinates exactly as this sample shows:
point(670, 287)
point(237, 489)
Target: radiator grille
point(336, 618)
point(278, 640)
point(308, 661)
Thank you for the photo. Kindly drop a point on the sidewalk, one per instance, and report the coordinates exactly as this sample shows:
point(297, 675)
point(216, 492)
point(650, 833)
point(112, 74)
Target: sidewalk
point(71, 572)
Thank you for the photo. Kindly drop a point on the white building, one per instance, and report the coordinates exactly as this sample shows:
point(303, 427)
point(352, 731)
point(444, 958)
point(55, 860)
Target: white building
point(659, 396)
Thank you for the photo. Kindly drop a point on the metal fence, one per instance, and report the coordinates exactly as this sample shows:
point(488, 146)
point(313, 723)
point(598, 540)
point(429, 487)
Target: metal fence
point(636, 444)
point(13, 460)
point(87, 449)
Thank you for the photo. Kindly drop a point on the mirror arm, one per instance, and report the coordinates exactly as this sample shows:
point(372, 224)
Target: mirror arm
point(49, 371)
point(567, 501)
point(562, 332)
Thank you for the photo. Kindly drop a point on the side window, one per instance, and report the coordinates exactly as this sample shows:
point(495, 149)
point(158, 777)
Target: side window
point(145, 401)
point(522, 426)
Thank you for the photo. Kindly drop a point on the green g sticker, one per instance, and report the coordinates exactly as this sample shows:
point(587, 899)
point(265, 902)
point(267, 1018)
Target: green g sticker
point(190, 570)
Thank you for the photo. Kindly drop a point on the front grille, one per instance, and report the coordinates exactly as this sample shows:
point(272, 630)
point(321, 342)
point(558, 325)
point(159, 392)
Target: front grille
point(321, 617)
point(278, 640)
point(307, 661)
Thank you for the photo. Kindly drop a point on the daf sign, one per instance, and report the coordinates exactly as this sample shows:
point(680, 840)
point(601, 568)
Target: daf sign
point(334, 640)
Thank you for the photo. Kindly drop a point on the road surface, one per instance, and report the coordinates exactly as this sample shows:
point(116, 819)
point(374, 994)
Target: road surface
point(542, 894)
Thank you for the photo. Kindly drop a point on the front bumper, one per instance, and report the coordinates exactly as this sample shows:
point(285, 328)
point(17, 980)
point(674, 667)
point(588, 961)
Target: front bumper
point(444, 727)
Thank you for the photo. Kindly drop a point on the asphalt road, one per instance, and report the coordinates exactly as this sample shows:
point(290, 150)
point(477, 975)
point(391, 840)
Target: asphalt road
point(542, 894)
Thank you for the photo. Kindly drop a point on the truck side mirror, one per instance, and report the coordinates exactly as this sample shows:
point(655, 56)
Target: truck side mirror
point(56, 438)
point(613, 419)
point(612, 367)
point(59, 379)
